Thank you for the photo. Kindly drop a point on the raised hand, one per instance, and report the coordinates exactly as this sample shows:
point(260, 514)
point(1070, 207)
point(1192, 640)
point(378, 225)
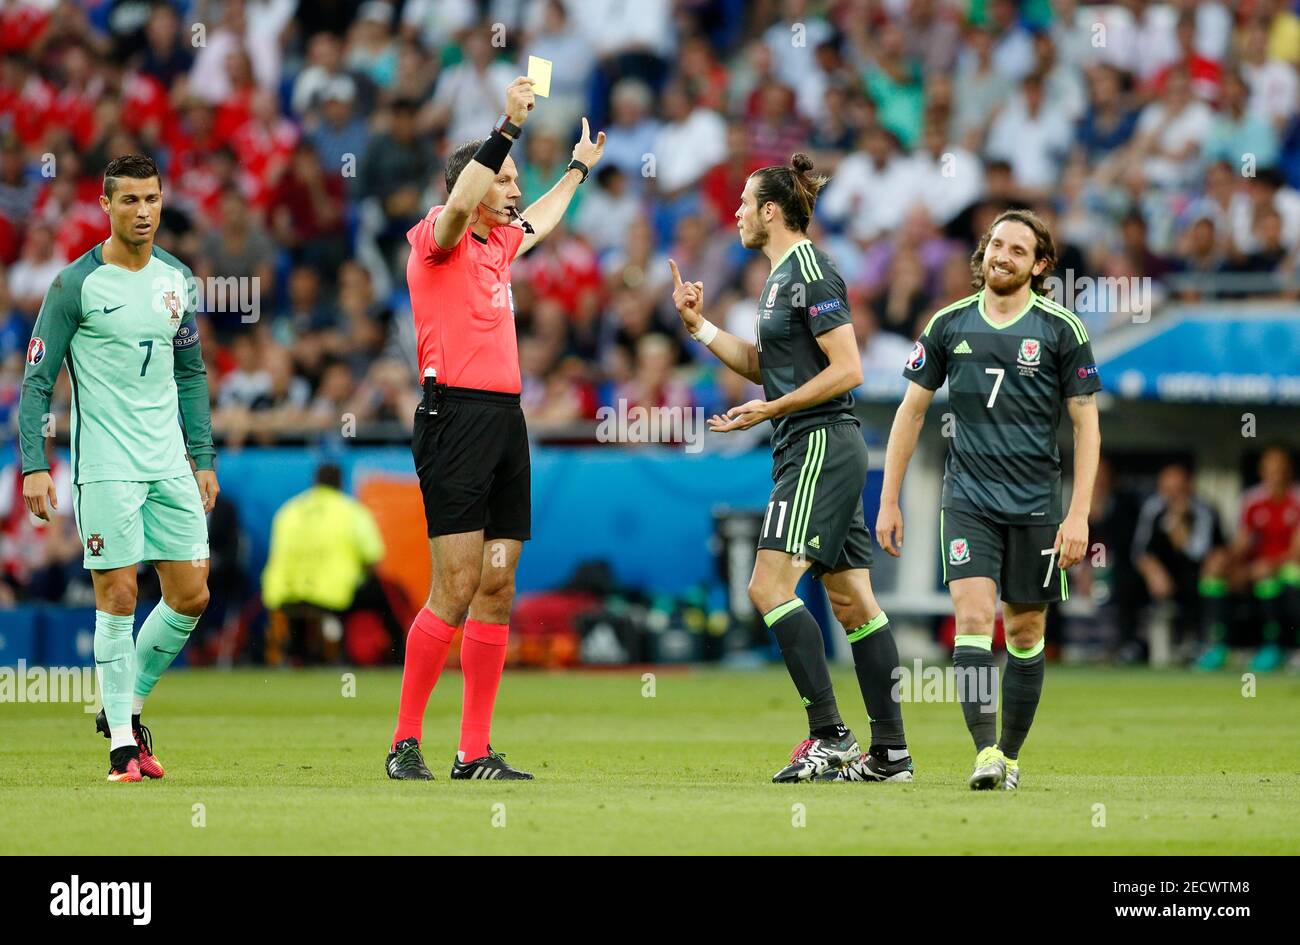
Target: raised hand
point(587, 151)
point(519, 99)
point(689, 299)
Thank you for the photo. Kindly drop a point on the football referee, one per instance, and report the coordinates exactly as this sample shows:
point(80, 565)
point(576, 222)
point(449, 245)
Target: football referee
point(470, 442)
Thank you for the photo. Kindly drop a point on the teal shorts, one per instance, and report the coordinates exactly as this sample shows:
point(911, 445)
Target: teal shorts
point(124, 523)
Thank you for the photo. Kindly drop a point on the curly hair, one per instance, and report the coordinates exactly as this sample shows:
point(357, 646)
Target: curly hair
point(1044, 247)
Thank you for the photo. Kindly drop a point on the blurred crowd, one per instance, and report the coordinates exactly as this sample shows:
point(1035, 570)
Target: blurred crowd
point(300, 141)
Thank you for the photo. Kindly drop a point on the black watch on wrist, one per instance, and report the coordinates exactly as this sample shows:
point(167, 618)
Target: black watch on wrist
point(576, 165)
point(509, 127)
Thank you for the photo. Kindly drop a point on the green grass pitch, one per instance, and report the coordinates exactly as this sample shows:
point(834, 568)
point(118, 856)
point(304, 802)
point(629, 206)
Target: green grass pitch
point(283, 762)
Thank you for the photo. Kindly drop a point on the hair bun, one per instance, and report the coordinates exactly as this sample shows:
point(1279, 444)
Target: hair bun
point(801, 162)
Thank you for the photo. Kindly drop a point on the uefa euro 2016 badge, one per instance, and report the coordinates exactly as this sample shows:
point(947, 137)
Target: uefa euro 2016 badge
point(1031, 353)
point(35, 351)
point(916, 360)
point(172, 302)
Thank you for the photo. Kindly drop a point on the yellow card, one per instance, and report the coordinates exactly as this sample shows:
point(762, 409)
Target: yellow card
point(539, 70)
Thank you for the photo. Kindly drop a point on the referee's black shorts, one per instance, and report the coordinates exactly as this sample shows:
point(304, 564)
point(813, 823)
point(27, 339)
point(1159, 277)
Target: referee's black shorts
point(471, 454)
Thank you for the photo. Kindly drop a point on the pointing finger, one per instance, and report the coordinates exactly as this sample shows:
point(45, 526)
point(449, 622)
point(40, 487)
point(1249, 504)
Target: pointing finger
point(586, 130)
point(677, 276)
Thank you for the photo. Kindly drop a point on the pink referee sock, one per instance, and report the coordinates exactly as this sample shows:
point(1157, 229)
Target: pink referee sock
point(427, 644)
point(482, 658)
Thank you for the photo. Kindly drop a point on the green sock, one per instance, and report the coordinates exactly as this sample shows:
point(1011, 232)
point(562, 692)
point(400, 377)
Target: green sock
point(1022, 687)
point(1214, 598)
point(162, 636)
point(115, 667)
point(800, 639)
point(977, 688)
point(1269, 594)
point(875, 661)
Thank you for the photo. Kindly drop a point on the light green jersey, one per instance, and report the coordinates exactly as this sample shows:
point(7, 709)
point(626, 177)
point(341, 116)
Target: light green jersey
point(139, 387)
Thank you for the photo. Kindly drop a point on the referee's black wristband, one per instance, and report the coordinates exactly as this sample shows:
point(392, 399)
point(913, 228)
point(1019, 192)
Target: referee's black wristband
point(576, 165)
point(493, 152)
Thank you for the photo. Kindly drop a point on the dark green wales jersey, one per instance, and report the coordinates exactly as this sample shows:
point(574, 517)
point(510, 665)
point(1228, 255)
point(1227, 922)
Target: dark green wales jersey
point(1007, 385)
point(804, 297)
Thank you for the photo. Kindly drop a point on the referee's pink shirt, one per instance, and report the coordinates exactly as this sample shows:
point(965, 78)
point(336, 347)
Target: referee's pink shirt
point(463, 307)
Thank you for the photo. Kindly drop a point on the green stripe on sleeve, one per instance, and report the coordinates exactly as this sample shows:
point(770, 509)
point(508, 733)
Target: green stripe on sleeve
point(946, 309)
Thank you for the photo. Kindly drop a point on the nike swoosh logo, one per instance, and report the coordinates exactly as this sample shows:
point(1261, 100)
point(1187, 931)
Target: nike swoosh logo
point(110, 311)
point(169, 652)
point(106, 662)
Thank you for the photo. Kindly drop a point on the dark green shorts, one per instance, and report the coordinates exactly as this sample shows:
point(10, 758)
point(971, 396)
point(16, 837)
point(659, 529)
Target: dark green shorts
point(1019, 558)
point(816, 504)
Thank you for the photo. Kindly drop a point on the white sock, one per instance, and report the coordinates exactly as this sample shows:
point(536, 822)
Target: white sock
point(137, 705)
point(122, 738)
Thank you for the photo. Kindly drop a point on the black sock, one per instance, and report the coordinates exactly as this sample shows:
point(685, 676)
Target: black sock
point(1022, 687)
point(836, 731)
point(1269, 594)
point(801, 645)
point(977, 691)
point(1214, 609)
point(875, 661)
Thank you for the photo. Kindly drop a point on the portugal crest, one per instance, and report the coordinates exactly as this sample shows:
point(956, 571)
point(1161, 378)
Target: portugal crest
point(95, 544)
point(172, 302)
point(958, 551)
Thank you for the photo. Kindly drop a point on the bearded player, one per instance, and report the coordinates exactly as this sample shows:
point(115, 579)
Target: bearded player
point(470, 443)
point(806, 358)
point(1011, 358)
point(122, 317)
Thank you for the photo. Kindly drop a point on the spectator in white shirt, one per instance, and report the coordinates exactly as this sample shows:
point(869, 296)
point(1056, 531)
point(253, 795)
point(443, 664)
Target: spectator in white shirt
point(979, 89)
point(691, 141)
point(1013, 47)
point(1274, 85)
point(470, 94)
point(36, 269)
point(559, 41)
point(948, 177)
point(625, 27)
point(252, 25)
point(610, 210)
point(872, 189)
point(632, 133)
point(793, 41)
point(1171, 133)
point(1031, 137)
